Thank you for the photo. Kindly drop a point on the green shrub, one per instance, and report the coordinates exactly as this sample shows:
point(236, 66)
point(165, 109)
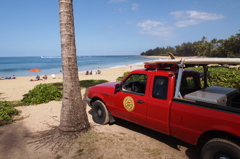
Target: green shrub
point(42, 93)
point(6, 112)
point(221, 76)
point(89, 83)
point(121, 77)
point(83, 83)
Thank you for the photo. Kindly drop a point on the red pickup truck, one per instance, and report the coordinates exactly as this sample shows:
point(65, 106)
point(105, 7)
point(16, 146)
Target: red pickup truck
point(165, 97)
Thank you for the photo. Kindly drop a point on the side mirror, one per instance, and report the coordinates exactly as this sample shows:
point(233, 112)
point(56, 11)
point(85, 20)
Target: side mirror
point(118, 87)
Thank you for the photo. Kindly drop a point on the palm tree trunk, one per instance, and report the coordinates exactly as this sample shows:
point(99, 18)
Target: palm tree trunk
point(73, 113)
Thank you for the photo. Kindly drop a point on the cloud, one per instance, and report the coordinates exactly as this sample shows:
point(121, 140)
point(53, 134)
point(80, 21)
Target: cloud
point(149, 24)
point(184, 18)
point(117, 1)
point(194, 17)
point(177, 14)
point(187, 22)
point(204, 15)
point(154, 28)
point(135, 6)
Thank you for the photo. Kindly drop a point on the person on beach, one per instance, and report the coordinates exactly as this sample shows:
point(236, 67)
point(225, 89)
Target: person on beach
point(44, 77)
point(37, 77)
point(87, 72)
point(98, 71)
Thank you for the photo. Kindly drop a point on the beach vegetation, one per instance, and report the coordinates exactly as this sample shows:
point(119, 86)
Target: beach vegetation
point(83, 83)
point(134, 78)
point(42, 93)
point(7, 110)
point(229, 47)
point(123, 76)
point(221, 76)
point(89, 83)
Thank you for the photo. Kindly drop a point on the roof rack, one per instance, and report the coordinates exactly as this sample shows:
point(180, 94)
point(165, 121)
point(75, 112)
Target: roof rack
point(176, 63)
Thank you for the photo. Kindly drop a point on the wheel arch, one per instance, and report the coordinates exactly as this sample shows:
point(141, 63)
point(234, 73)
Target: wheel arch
point(205, 137)
point(95, 98)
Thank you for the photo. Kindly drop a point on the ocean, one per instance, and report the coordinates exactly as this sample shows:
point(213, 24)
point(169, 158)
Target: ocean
point(19, 66)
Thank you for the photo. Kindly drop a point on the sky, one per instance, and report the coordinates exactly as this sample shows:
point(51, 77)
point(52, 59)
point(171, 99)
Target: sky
point(114, 27)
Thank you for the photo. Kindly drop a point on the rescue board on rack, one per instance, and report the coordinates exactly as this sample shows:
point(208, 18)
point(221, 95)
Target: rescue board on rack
point(227, 61)
point(193, 61)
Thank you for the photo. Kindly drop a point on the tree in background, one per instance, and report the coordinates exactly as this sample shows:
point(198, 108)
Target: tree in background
point(186, 49)
point(214, 48)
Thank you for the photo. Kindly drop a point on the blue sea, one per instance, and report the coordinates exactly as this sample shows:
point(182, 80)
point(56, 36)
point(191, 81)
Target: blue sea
point(19, 66)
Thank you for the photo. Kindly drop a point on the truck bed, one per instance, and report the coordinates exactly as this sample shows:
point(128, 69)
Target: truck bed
point(214, 95)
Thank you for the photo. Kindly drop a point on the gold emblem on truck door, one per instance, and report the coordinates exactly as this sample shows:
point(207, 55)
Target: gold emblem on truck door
point(128, 103)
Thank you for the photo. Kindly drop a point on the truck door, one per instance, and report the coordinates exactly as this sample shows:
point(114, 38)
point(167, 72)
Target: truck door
point(159, 104)
point(130, 102)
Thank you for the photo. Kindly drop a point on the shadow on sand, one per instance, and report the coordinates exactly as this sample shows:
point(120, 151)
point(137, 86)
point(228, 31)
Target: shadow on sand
point(191, 152)
point(11, 139)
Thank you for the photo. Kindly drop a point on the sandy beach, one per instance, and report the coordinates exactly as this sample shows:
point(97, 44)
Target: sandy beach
point(15, 137)
point(13, 89)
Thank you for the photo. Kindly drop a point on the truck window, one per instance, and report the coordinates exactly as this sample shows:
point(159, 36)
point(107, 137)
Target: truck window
point(189, 83)
point(135, 83)
point(160, 87)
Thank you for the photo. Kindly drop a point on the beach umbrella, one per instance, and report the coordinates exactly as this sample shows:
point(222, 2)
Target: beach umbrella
point(34, 70)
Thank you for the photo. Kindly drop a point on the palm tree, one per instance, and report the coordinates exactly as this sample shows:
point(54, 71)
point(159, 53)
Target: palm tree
point(73, 113)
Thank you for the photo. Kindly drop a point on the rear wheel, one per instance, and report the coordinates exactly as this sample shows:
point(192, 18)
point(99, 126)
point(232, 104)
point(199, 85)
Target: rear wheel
point(100, 113)
point(220, 149)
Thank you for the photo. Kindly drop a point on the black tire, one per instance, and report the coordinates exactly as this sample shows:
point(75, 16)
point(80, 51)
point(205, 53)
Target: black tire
point(220, 149)
point(100, 113)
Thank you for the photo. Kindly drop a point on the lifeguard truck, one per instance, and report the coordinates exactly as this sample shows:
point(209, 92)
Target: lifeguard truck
point(165, 97)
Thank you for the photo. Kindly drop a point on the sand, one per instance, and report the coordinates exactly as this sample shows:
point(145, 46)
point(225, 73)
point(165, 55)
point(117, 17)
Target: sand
point(13, 89)
point(15, 137)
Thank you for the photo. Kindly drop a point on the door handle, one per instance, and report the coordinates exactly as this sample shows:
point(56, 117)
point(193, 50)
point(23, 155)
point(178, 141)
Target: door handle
point(140, 101)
